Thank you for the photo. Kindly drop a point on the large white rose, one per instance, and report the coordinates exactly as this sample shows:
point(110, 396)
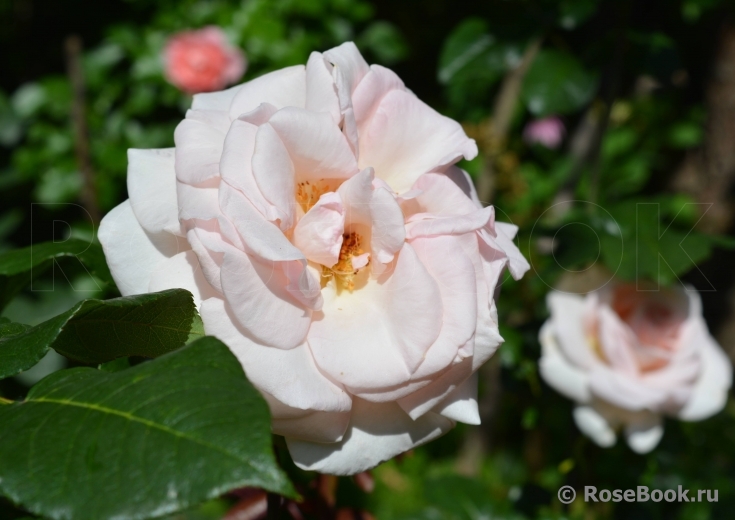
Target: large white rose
point(316, 215)
point(630, 356)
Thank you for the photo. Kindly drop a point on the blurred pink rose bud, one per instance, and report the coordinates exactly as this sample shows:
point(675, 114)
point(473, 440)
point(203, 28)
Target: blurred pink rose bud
point(628, 357)
point(202, 60)
point(548, 132)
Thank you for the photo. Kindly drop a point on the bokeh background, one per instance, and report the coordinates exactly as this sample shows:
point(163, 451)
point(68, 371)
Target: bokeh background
point(581, 109)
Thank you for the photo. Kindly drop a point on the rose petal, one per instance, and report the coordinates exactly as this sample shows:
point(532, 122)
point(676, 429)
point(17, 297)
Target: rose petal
point(377, 432)
point(220, 100)
point(198, 202)
point(463, 180)
point(370, 92)
point(426, 225)
point(183, 271)
point(406, 138)
point(132, 254)
point(256, 290)
point(567, 318)
point(377, 335)
point(461, 404)
point(152, 190)
point(321, 92)
point(558, 372)
point(595, 426)
point(710, 393)
point(319, 233)
point(236, 166)
point(448, 260)
point(349, 61)
point(198, 148)
point(288, 375)
point(322, 427)
point(315, 144)
point(438, 195)
point(644, 434)
point(280, 88)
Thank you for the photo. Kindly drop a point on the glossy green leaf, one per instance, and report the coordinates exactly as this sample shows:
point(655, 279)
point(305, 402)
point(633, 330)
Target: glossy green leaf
point(98, 331)
point(9, 328)
point(557, 83)
point(19, 267)
point(139, 443)
point(472, 61)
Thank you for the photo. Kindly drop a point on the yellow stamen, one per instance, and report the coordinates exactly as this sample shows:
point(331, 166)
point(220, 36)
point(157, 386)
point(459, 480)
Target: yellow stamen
point(343, 272)
point(308, 193)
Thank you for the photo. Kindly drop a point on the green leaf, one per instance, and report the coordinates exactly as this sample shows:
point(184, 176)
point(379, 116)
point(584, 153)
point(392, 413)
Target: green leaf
point(472, 61)
point(9, 328)
point(140, 443)
point(467, 42)
point(98, 331)
point(573, 13)
point(557, 83)
point(20, 266)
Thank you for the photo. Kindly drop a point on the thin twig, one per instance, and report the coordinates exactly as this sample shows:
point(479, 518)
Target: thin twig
point(73, 48)
point(503, 108)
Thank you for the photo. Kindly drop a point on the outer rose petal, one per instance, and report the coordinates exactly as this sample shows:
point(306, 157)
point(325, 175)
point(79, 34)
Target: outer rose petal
point(406, 138)
point(183, 271)
point(377, 336)
point(461, 404)
point(377, 432)
point(152, 190)
point(288, 375)
point(449, 262)
point(487, 340)
point(558, 372)
point(321, 93)
point(371, 91)
point(439, 196)
point(132, 254)
point(595, 426)
point(644, 434)
point(219, 101)
point(280, 88)
point(711, 390)
point(567, 318)
point(313, 427)
point(198, 147)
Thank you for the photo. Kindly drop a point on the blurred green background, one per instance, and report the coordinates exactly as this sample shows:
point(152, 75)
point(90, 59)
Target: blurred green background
point(645, 91)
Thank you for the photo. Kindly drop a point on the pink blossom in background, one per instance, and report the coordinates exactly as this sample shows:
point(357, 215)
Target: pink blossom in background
point(202, 60)
point(628, 357)
point(548, 132)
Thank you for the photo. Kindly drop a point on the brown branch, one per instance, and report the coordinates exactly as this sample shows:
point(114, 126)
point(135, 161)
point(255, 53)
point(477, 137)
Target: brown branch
point(503, 108)
point(709, 173)
point(75, 72)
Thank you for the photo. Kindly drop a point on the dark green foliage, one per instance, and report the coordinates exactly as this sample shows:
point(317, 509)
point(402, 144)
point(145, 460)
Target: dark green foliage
point(96, 331)
point(197, 426)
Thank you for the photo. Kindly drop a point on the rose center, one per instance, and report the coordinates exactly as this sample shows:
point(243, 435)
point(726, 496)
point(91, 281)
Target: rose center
point(308, 193)
point(352, 260)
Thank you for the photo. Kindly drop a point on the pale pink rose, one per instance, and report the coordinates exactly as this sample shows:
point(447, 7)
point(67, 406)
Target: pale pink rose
point(548, 132)
point(202, 60)
point(629, 356)
point(318, 218)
